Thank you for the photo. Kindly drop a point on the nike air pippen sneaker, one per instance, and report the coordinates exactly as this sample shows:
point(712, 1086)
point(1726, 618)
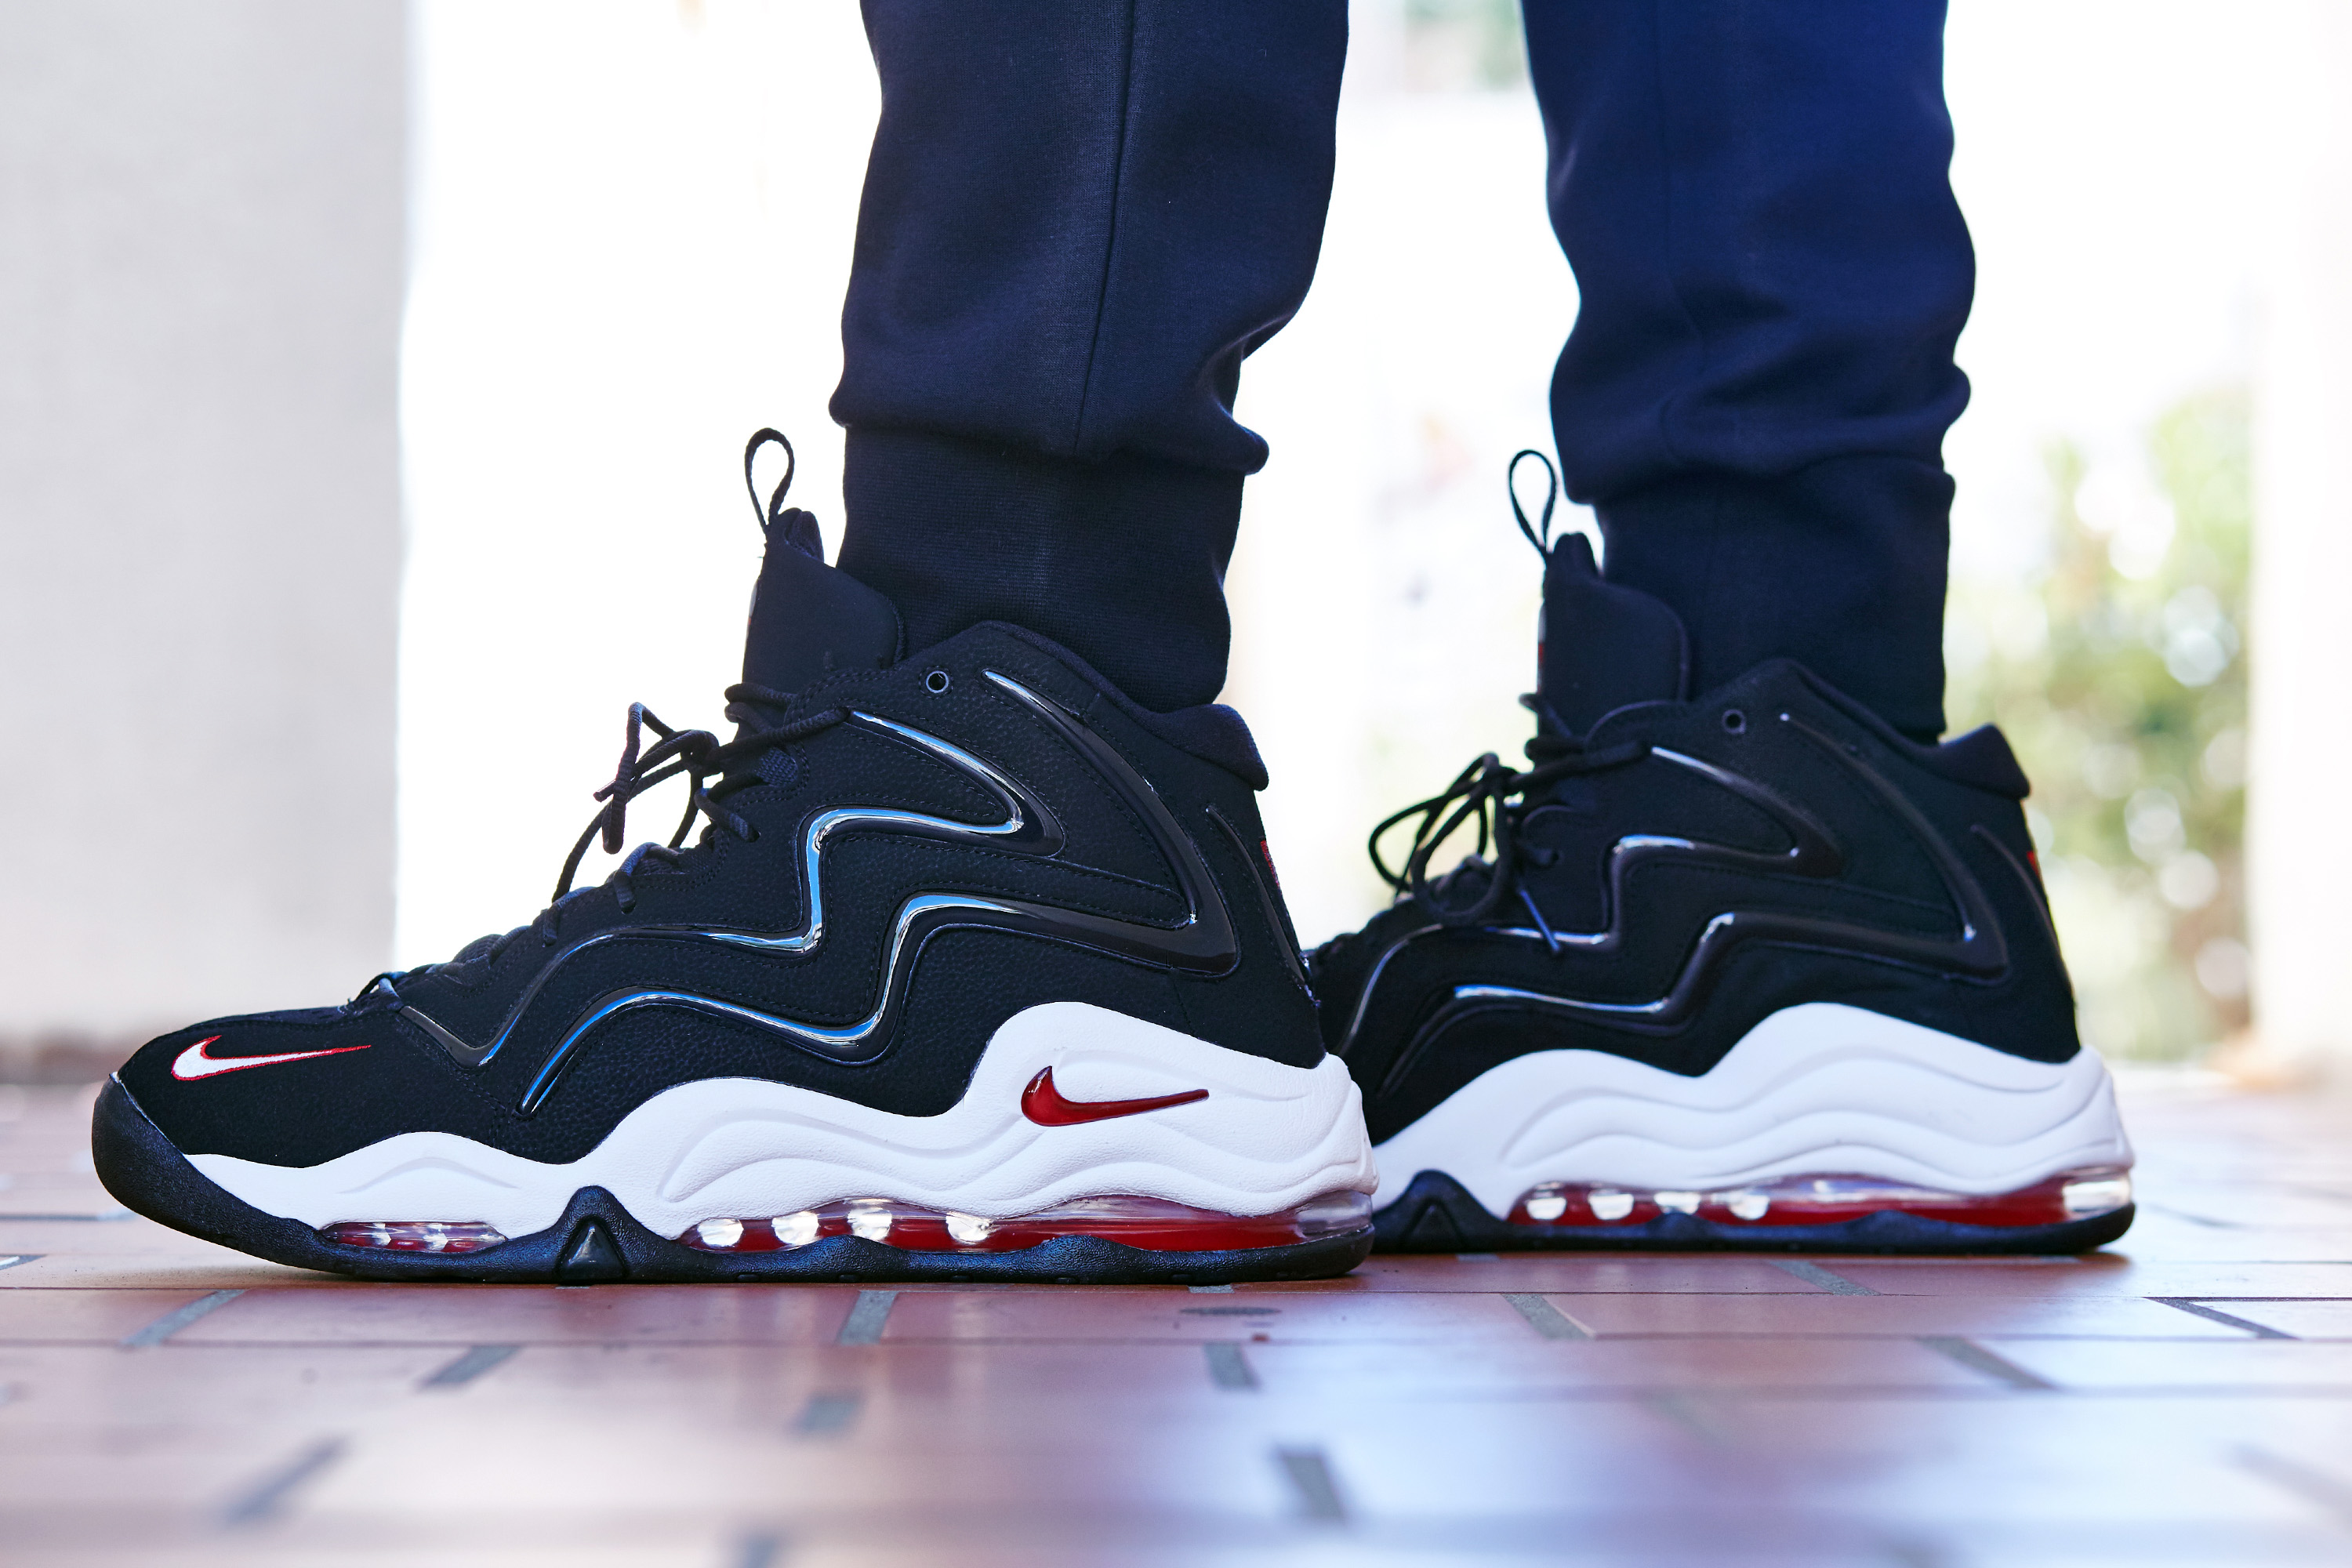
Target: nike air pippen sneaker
point(977, 970)
point(1749, 971)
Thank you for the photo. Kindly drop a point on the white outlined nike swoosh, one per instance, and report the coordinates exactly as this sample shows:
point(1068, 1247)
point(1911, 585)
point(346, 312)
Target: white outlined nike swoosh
point(192, 1064)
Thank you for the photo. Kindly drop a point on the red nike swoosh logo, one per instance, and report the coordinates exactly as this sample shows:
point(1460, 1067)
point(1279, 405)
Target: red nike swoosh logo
point(193, 1063)
point(1042, 1103)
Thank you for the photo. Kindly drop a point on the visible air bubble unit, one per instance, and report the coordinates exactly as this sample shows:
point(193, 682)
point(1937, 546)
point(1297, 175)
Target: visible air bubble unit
point(413, 1235)
point(1829, 1200)
point(1153, 1224)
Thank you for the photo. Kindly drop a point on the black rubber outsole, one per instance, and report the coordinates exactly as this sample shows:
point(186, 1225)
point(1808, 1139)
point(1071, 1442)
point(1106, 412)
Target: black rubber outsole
point(1436, 1214)
point(598, 1241)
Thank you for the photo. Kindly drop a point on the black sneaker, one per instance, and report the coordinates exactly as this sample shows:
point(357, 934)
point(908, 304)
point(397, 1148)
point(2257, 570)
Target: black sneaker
point(977, 970)
point(1749, 971)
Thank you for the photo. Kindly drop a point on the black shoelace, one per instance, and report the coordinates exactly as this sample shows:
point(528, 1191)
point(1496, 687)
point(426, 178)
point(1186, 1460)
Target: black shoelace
point(755, 711)
point(1474, 891)
point(1481, 797)
point(698, 754)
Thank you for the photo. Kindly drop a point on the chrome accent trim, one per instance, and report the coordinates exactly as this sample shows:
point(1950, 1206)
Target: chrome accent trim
point(1979, 949)
point(441, 1037)
point(1029, 826)
point(1811, 852)
point(1202, 943)
point(1650, 1009)
point(842, 1041)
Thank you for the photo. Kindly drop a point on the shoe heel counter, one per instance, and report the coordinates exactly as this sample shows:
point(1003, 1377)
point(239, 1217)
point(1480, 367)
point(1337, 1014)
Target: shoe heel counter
point(2022, 899)
point(1245, 831)
point(1263, 1004)
point(1962, 804)
point(2028, 1009)
point(1266, 1003)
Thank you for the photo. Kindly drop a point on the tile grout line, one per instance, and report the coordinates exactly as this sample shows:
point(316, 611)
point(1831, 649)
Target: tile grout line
point(1687, 1413)
point(469, 1367)
point(2313, 1486)
point(1229, 1366)
point(867, 1319)
point(265, 1498)
point(172, 1322)
point(828, 1415)
point(760, 1551)
point(1986, 1364)
point(1546, 1318)
point(1814, 1274)
point(2199, 1309)
point(1309, 1475)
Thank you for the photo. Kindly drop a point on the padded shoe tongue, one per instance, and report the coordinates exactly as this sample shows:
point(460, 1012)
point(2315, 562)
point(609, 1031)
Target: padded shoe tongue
point(808, 619)
point(1602, 646)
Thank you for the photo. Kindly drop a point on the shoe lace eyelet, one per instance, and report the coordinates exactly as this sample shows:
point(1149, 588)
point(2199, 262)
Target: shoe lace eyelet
point(936, 682)
point(1735, 722)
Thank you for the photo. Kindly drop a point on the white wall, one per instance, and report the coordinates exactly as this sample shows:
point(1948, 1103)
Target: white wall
point(633, 230)
point(201, 252)
point(2299, 827)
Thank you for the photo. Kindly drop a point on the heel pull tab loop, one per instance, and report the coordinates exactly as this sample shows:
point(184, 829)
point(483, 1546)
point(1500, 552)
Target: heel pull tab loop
point(778, 524)
point(1541, 539)
point(773, 510)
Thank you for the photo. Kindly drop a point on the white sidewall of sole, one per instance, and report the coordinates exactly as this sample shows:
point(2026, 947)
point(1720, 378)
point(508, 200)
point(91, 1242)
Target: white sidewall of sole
point(1268, 1137)
point(1818, 1090)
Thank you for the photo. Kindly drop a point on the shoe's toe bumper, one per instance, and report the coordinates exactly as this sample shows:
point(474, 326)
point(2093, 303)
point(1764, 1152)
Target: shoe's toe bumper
point(148, 1176)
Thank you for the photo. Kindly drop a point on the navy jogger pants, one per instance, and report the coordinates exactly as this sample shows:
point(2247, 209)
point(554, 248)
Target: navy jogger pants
point(1081, 215)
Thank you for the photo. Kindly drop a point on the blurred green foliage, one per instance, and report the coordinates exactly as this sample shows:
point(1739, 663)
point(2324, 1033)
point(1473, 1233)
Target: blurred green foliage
point(1458, 44)
point(2116, 672)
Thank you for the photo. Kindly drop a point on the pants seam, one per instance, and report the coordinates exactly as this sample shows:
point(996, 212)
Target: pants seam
point(1111, 228)
point(1665, 162)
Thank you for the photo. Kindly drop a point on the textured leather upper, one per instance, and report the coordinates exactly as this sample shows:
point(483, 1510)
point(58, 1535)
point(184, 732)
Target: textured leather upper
point(1769, 845)
point(692, 998)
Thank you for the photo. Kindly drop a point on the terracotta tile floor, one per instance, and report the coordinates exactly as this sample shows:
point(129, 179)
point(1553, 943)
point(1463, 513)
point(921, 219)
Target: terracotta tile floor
point(2183, 1398)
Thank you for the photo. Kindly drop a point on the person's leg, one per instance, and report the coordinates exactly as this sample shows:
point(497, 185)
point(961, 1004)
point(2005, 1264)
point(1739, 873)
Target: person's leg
point(976, 893)
point(1079, 216)
point(1746, 968)
point(1773, 272)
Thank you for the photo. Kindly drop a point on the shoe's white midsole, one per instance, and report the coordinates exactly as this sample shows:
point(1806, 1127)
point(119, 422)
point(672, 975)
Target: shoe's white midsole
point(1267, 1138)
point(1818, 1090)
